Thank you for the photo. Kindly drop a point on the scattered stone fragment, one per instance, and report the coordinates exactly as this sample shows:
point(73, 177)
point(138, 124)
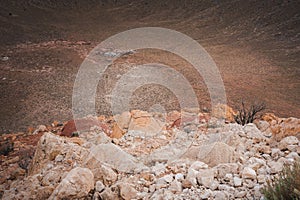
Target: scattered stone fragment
point(248, 173)
point(237, 182)
point(127, 191)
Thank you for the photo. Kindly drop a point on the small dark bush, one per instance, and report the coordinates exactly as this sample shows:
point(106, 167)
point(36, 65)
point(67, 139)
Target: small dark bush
point(248, 115)
point(286, 186)
point(6, 147)
point(26, 156)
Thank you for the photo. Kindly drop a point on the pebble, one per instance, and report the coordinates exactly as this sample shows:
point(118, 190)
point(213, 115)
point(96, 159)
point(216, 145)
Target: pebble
point(237, 182)
point(179, 177)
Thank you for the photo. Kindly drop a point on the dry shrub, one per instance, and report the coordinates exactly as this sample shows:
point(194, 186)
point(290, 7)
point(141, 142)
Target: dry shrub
point(6, 147)
point(248, 115)
point(286, 186)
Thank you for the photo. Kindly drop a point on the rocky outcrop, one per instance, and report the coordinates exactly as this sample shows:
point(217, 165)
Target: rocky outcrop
point(281, 127)
point(229, 161)
point(77, 184)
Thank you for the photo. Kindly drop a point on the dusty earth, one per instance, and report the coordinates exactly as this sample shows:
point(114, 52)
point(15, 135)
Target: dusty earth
point(255, 44)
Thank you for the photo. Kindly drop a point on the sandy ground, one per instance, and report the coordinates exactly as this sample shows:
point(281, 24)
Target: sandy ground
point(255, 44)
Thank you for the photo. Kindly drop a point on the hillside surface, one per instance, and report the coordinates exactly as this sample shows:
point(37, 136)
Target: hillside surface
point(255, 44)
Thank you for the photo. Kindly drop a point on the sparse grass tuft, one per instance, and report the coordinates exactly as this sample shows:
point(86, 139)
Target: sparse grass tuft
point(286, 186)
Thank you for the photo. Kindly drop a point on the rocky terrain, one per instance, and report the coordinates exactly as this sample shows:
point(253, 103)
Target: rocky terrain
point(255, 45)
point(142, 155)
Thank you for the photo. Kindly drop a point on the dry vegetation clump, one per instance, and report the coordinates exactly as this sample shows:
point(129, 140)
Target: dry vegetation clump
point(6, 147)
point(286, 186)
point(248, 115)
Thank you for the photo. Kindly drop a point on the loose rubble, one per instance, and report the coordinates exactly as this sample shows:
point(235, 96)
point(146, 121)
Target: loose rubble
point(226, 161)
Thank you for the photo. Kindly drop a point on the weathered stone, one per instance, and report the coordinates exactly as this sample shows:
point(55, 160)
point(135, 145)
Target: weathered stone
point(95, 137)
point(214, 185)
point(240, 194)
point(261, 179)
point(117, 132)
point(237, 181)
point(262, 125)
point(175, 187)
point(99, 186)
point(50, 146)
point(226, 168)
point(152, 188)
point(168, 178)
point(222, 111)
point(205, 177)
point(52, 177)
point(282, 127)
point(253, 132)
point(276, 153)
point(206, 194)
point(249, 183)
point(77, 184)
point(144, 122)
point(158, 169)
point(28, 188)
point(290, 140)
point(186, 183)
point(192, 176)
point(115, 157)
point(293, 155)
point(255, 163)
point(293, 147)
point(228, 177)
point(197, 165)
point(174, 119)
point(40, 128)
point(257, 192)
point(105, 174)
point(160, 183)
point(108, 194)
point(212, 154)
point(127, 191)
point(84, 124)
point(59, 158)
point(275, 166)
point(220, 195)
point(123, 120)
point(179, 177)
point(248, 173)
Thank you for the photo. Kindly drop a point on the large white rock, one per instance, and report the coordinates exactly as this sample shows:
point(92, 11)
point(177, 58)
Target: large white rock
point(211, 154)
point(252, 132)
point(50, 146)
point(115, 157)
point(290, 140)
point(77, 184)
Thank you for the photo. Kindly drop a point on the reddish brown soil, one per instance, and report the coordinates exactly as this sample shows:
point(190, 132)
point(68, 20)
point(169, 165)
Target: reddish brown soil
point(254, 43)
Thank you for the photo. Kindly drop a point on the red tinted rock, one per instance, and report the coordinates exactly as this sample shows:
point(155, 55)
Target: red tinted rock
point(176, 123)
point(82, 125)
